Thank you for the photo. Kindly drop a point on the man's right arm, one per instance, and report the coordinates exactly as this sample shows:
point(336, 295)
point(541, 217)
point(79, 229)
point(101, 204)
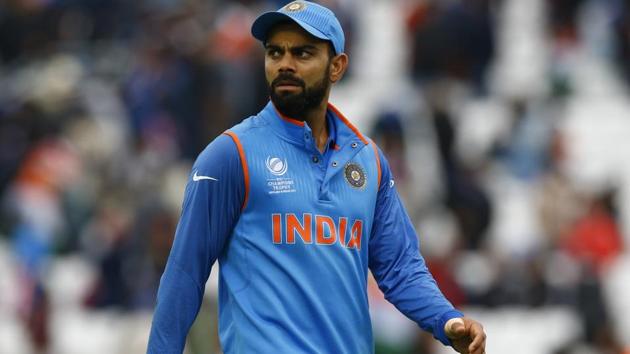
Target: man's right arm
point(212, 205)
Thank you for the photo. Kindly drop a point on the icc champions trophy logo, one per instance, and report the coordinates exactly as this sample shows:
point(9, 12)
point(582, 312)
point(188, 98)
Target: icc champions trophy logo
point(276, 166)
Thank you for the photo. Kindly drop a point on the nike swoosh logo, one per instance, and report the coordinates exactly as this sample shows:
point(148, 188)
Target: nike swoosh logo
point(199, 178)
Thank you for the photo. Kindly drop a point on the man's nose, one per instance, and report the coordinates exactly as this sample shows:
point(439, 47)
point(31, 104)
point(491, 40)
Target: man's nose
point(287, 63)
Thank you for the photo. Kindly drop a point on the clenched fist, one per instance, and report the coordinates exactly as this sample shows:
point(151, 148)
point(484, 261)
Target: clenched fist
point(467, 335)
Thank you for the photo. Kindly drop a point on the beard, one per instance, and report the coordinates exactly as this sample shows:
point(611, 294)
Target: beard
point(297, 105)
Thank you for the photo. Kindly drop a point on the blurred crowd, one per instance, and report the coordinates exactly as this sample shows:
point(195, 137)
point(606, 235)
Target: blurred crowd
point(104, 105)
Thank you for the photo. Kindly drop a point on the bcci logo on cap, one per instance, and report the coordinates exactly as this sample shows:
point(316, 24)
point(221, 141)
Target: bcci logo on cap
point(295, 6)
point(276, 166)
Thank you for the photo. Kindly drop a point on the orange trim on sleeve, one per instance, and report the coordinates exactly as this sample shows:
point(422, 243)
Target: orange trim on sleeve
point(347, 122)
point(378, 165)
point(241, 153)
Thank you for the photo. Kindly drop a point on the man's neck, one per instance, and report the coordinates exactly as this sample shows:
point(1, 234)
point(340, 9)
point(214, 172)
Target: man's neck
point(316, 119)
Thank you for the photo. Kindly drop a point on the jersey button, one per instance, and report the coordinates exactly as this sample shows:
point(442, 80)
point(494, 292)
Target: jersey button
point(354, 145)
point(315, 159)
point(334, 163)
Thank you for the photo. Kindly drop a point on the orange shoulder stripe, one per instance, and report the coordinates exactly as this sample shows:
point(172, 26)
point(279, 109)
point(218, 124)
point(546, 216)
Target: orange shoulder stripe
point(241, 153)
point(347, 122)
point(378, 165)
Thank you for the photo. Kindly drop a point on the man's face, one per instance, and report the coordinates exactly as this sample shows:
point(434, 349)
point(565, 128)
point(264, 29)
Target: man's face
point(297, 67)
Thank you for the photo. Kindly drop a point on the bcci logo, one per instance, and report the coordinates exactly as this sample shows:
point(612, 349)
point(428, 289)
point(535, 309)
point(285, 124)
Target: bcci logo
point(295, 6)
point(276, 166)
point(355, 175)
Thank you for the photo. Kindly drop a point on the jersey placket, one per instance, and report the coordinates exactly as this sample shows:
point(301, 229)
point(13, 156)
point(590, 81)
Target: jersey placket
point(317, 160)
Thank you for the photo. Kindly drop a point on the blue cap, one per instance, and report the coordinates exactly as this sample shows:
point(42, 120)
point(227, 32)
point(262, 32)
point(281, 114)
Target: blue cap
point(314, 18)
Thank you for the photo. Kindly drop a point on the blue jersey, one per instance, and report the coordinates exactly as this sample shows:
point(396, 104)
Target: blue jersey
point(295, 231)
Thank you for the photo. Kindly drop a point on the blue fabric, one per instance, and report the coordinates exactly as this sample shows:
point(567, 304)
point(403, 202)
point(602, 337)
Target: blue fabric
point(294, 261)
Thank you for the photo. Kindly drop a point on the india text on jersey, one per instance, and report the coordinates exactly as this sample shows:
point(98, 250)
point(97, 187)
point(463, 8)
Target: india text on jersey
point(327, 231)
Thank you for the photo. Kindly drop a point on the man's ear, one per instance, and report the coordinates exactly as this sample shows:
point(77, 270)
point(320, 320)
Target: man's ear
point(338, 66)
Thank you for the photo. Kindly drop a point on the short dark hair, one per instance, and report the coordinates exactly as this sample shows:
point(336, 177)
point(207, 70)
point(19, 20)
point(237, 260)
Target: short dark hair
point(331, 50)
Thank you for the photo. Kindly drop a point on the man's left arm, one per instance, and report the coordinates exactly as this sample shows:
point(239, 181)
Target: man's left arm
point(402, 275)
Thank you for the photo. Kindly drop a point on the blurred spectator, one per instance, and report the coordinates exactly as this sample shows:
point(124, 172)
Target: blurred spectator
point(453, 40)
point(524, 151)
point(36, 192)
point(621, 33)
point(465, 197)
point(563, 15)
point(388, 133)
point(559, 202)
point(594, 239)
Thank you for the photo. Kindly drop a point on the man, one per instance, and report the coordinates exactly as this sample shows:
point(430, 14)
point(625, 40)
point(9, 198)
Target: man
point(296, 205)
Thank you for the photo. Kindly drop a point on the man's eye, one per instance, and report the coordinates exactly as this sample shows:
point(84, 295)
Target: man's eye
point(303, 54)
point(274, 53)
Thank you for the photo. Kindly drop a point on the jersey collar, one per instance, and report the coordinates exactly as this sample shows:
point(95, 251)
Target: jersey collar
point(341, 131)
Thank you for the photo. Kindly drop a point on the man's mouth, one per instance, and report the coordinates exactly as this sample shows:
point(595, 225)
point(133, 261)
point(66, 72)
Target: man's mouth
point(286, 85)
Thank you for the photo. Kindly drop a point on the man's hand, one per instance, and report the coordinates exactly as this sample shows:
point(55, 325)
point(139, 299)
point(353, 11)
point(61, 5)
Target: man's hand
point(467, 335)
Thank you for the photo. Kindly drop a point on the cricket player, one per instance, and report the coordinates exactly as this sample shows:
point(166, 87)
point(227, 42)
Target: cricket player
point(297, 205)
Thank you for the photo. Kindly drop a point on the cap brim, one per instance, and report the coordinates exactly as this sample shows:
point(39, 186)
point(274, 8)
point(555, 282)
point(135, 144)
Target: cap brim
point(264, 22)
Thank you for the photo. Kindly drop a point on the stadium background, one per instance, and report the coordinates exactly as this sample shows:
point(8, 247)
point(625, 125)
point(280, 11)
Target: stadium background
point(506, 123)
